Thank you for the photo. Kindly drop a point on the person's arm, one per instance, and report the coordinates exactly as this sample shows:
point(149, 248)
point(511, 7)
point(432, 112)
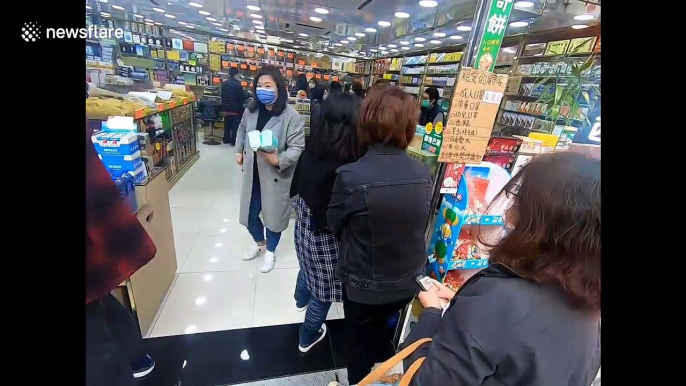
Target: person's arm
point(338, 211)
point(240, 133)
point(295, 143)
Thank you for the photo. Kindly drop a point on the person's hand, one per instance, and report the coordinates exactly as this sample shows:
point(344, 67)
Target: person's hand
point(272, 157)
point(239, 159)
point(443, 291)
point(430, 298)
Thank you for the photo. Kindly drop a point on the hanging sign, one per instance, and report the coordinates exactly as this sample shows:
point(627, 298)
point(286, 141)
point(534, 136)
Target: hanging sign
point(217, 47)
point(558, 47)
point(432, 140)
point(473, 111)
point(215, 62)
point(494, 31)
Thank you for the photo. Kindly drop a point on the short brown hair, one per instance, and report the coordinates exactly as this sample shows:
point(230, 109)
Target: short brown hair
point(555, 219)
point(388, 115)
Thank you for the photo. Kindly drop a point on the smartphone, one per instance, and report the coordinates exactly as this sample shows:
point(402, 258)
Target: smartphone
point(424, 282)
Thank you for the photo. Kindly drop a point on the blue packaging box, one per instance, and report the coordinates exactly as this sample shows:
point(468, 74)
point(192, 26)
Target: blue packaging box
point(116, 164)
point(108, 143)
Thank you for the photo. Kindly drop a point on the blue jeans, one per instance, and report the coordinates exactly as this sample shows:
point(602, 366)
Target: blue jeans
point(315, 314)
point(255, 226)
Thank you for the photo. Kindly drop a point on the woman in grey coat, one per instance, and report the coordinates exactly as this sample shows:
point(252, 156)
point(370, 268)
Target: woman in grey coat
point(267, 173)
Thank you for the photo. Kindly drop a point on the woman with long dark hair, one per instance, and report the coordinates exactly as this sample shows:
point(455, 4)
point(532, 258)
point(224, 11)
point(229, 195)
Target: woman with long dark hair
point(316, 108)
point(302, 84)
point(330, 146)
point(532, 318)
point(267, 174)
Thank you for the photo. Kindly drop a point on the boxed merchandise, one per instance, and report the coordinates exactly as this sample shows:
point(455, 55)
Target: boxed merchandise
point(505, 161)
point(125, 183)
point(503, 145)
point(549, 141)
point(425, 157)
point(117, 143)
point(122, 163)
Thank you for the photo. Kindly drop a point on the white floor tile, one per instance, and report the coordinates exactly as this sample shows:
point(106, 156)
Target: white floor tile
point(183, 244)
point(202, 302)
point(187, 221)
point(192, 198)
point(217, 253)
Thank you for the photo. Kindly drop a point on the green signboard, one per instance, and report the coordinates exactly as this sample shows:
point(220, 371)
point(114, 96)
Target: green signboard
point(493, 34)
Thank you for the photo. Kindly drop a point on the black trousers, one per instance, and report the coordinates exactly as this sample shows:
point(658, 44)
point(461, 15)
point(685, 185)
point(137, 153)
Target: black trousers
point(231, 123)
point(369, 339)
point(113, 342)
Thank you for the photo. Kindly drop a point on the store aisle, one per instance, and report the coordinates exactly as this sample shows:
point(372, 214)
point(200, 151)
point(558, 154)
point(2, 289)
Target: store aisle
point(214, 289)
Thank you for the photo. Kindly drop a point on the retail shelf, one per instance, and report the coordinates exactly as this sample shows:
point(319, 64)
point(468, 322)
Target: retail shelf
point(503, 64)
point(547, 57)
point(436, 85)
point(440, 63)
point(474, 219)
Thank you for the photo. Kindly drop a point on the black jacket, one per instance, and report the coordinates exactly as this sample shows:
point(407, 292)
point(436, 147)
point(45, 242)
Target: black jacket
point(430, 114)
point(379, 210)
point(233, 96)
point(316, 115)
point(501, 329)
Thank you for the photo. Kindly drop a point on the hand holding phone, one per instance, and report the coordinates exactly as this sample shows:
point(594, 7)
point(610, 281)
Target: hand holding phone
point(424, 282)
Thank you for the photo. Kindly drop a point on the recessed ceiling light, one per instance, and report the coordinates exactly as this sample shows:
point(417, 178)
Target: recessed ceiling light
point(150, 21)
point(170, 16)
point(519, 24)
point(217, 24)
point(210, 18)
point(190, 26)
point(138, 16)
point(456, 37)
point(524, 4)
point(259, 26)
point(436, 42)
point(404, 42)
point(584, 17)
point(382, 47)
point(351, 38)
point(158, 23)
point(373, 50)
point(315, 18)
point(119, 7)
point(439, 34)
point(105, 14)
point(428, 3)
point(394, 50)
point(323, 11)
point(88, 7)
point(345, 41)
point(302, 34)
point(223, 29)
point(103, 1)
point(203, 12)
point(393, 46)
point(404, 48)
point(370, 29)
point(418, 45)
point(579, 26)
point(360, 34)
point(464, 28)
point(338, 44)
point(159, 10)
point(256, 16)
point(402, 15)
point(257, 22)
point(420, 39)
point(384, 52)
point(253, 8)
point(194, 4)
point(384, 23)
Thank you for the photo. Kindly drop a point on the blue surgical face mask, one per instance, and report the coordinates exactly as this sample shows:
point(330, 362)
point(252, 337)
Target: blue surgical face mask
point(266, 95)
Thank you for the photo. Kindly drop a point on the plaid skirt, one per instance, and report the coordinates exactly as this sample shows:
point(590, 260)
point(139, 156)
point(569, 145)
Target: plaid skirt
point(317, 254)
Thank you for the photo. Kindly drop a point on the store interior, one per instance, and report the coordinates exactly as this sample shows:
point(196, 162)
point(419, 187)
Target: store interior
point(211, 318)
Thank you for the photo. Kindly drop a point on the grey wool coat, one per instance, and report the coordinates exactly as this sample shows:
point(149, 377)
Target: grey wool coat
point(275, 182)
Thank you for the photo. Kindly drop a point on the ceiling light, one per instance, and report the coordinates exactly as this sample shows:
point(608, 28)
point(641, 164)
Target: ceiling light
point(159, 10)
point(384, 52)
point(138, 16)
point(439, 34)
point(352, 39)
point(119, 7)
point(402, 15)
point(524, 4)
point(194, 4)
point(519, 24)
point(105, 14)
point(428, 3)
point(210, 18)
point(436, 42)
point(88, 7)
point(217, 24)
point(323, 11)
point(345, 41)
point(394, 50)
point(158, 23)
point(338, 44)
point(579, 26)
point(420, 39)
point(256, 16)
point(418, 45)
point(315, 18)
point(170, 16)
point(464, 28)
point(237, 28)
point(190, 26)
point(584, 17)
point(202, 12)
point(223, 29)
point(456, 37)
point(259, 26)
point(253, 8)
point(405, 43)
point(370, 29)
point(360, 34)
point(373, 50)
point(182, 22)
point(303, 34)
point(103, 1)
point(257, 22)
point(393, 46)
point(404, 48)
point(384, 23)
point(382, 47)
point(150, 21)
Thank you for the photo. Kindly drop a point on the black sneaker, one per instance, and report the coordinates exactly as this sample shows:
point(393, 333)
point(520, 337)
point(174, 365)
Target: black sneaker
point(143, 367)
point(322, 334)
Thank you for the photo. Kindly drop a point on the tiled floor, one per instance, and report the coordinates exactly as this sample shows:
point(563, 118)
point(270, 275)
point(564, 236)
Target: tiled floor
point(215, 290)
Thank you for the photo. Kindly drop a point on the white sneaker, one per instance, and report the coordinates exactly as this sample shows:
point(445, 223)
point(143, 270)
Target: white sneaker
point(301, 309)
point(268, 262)
point(253, 252)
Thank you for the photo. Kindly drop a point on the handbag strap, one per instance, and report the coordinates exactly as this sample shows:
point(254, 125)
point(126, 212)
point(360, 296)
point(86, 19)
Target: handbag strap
point(394, 360)
point(405, 381)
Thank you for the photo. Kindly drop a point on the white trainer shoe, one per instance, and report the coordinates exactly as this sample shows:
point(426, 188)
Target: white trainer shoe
point(268, 262)
point(253, 252)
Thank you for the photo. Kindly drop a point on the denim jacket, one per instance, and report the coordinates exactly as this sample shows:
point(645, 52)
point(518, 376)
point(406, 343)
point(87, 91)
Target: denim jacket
point(379, 210)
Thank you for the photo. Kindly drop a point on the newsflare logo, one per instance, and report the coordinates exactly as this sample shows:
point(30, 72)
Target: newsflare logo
point(32, 32)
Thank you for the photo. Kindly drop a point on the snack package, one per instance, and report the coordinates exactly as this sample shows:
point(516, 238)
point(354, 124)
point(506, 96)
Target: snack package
point(265, 140)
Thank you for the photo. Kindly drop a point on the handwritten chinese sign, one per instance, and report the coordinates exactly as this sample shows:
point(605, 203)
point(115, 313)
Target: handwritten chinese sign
point(472, 113)
point(494, 31)
point(215, 62)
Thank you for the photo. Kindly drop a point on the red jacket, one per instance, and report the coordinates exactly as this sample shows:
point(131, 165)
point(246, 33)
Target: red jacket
point(116, 243)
